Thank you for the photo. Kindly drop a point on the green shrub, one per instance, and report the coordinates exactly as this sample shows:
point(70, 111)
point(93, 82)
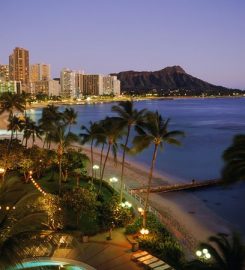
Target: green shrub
point(159, 242)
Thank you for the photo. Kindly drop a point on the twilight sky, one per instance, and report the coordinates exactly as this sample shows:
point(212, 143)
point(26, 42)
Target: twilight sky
point(205, 37)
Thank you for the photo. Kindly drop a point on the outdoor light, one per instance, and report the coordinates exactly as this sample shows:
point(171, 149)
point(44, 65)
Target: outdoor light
point(126, 204)
point(96, 167)
point(7, 208)
point(113, 180)
point(2, 170)
point(198, 253)
point(203, 254)
point(144, 231)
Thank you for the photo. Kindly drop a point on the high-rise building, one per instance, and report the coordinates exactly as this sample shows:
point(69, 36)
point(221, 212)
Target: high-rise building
point(111, 85)
point(4, 73)
point(67, 82)
point(92, 85)
point(50, 87)
point(39, 72)
point(19, 67)
point(79, 84)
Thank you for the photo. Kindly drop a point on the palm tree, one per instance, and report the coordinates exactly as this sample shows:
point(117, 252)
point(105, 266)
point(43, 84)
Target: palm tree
point(227, 253)
point(128, 117)
point(16, 125)
point(70, 117)
point(112, 132)
point(31, 130)
point(10, 102)
point(154, 130)
point(50, 117)
point(63, 140)
point(26, 99)
point(234, 157)
point(101, 140)
point(92, 133)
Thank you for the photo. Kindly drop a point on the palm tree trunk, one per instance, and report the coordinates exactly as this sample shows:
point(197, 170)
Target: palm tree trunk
point(123, 161)
point(101, 157)
point(60, 152)
point(103, 170)
point(92, 160)
point(149, 184)
point(60, 174)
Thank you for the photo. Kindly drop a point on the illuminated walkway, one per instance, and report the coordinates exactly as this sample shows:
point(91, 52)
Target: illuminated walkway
point(102, 254)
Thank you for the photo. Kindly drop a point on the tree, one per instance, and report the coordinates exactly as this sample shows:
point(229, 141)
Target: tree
point(10, 102)
point(92, 132)
point(50, 118)
point(16, 124)
point(75, 163)
point(70, 117)
point(31, 130)
point(82, 201)
point(154, 130)
point(227, 253)
point(63, 140)
point(112, 132)
point(26, 99)
point(234, 157)
point(128, 116)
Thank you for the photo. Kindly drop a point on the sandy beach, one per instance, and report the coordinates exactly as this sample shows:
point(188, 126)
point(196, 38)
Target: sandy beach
point(185, 214)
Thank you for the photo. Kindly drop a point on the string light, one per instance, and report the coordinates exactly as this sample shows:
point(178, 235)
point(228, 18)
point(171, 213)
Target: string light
point(36, 184)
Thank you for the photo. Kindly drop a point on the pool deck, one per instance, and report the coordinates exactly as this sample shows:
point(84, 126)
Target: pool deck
point(102, 254)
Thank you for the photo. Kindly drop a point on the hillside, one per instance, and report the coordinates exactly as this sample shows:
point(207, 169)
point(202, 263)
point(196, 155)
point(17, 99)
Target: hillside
point(164, 80)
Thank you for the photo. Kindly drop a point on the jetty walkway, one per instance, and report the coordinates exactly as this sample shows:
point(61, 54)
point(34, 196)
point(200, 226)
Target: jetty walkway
point(179, 187)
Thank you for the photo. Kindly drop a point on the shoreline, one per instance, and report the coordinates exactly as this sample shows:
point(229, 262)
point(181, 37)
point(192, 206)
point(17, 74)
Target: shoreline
point(199, 225)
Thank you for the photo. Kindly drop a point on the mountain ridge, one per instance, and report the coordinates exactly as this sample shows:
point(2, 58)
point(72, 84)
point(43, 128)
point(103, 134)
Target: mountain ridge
point(167, 79)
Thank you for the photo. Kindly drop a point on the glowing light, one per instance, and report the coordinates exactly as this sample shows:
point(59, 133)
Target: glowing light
point(144, 231)
point(205, 251)
point(198, 253)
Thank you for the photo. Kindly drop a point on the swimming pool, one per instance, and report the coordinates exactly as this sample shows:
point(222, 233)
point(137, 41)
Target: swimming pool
point(52, 263)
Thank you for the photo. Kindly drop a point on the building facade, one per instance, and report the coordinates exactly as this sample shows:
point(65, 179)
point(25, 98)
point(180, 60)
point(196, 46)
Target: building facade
point(19, 67)
point(50, 88)
point(67, 83)
point(92, 85)
point(111, 85)
point(10, 86)
point(40, 72)
point(4, 73)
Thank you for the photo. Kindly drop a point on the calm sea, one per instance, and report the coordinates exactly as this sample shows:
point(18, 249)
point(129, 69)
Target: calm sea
point(209, 125)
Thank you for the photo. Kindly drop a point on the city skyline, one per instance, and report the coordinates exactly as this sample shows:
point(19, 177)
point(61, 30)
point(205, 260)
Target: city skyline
point(205, 38)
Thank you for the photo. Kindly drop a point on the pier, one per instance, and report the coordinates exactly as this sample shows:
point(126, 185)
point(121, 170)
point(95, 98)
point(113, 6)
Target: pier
point(180, 187)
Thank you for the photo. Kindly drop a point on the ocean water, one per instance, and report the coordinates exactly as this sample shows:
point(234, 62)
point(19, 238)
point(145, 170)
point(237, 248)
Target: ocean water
point(209, 126)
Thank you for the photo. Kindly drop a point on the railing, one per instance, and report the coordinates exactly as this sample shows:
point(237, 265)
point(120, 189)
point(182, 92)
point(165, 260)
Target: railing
point(179, 187)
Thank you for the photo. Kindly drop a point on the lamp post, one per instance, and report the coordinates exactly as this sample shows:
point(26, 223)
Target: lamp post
point(113, 180)
point(95, 168)
point(144, 232)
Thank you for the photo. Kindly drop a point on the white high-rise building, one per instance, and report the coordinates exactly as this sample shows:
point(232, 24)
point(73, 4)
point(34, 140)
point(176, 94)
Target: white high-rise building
point(111, 85)
point(67, 82)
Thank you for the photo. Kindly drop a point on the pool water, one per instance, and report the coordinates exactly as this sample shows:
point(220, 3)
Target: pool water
point(48, 264)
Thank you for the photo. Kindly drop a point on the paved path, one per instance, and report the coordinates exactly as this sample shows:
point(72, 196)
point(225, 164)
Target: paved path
point(102, 254)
